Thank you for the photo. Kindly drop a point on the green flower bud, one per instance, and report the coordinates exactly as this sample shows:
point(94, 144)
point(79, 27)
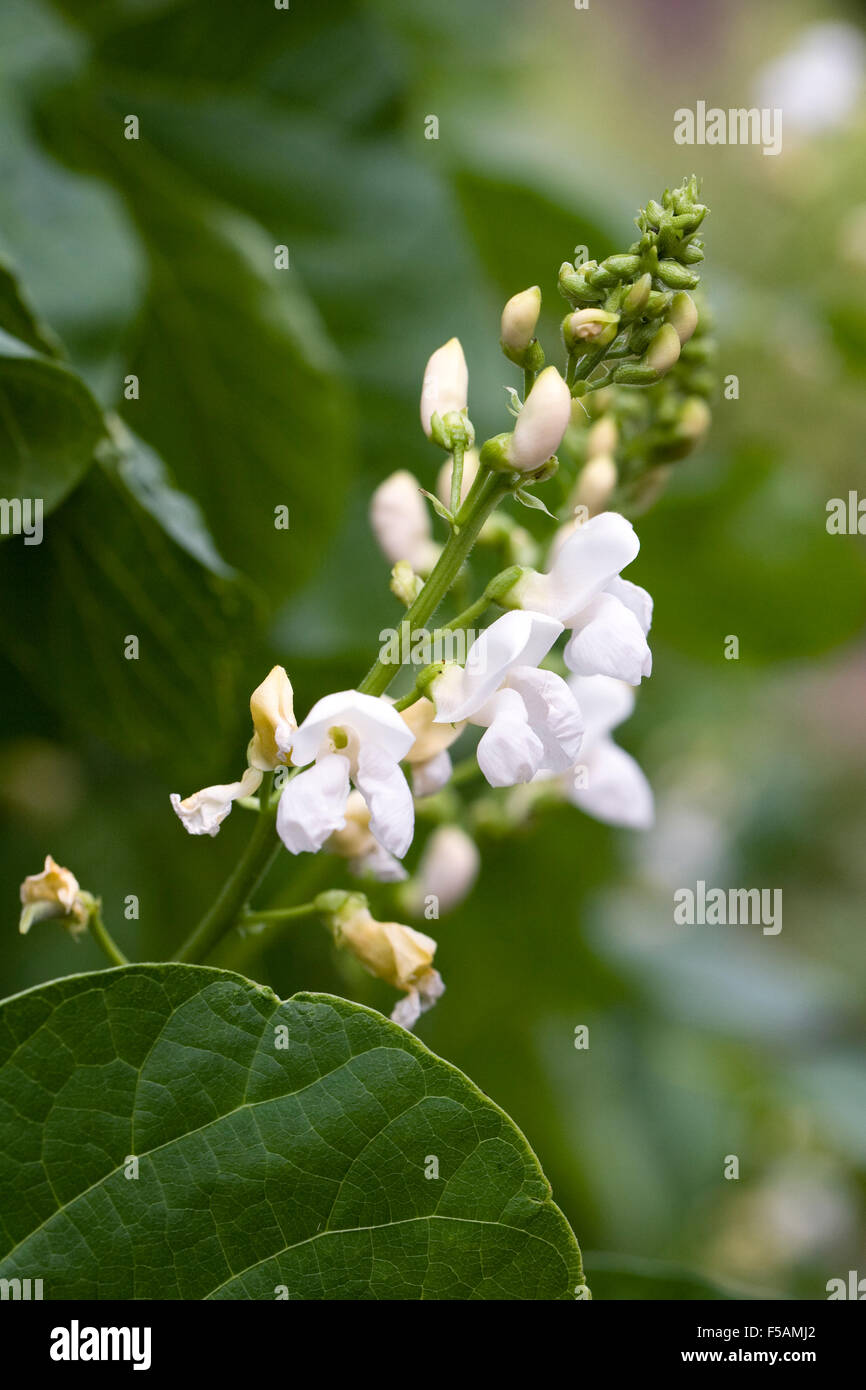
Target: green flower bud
point(638, 296)
point(657, 303)
point(635, 374)
point(692, 254)
point(623, 267)
point(573, 284)
point(664, 350)
point(494, 453)
point(676, 276)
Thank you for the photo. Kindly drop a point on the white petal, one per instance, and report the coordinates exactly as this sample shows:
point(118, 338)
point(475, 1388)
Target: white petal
point(509, 752)
point(449, 867)
point(446, 383)
point(541, 423)
point(608, 640)
point(604, 703)
point(587, 562)
point(380, 864)
point(635, 598)
point(401, 522)
point(372, 719)
point(430, 777)
point(616, 790)
point(518, 638)
point(381, 782)
point(553, 713)
point(204, 812)
point(313, 805)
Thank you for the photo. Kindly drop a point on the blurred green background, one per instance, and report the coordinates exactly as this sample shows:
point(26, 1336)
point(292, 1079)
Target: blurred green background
point(258, 387)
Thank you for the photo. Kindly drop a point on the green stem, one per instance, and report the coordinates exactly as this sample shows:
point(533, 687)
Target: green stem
point(528, 382)
point(486, 492)
point(102, 937)
point(456, 478)
point(237, 889)
point(277, 914)
point(588, 364)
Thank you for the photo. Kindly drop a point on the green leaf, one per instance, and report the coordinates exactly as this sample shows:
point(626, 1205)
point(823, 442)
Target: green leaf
point(49, 425)
point(534, 503)
point(260, 1165)
point(19, 319)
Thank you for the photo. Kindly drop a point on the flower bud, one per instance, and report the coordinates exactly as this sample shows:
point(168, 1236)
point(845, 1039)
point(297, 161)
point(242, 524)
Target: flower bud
point(601, 437)
point(405, 584)
point(446, 384)
point(676, 276)
point(597, 482)
point(683, 314)
point(541, 423)
point(635, 374)
point(621, 266)
point(663, 351)
point(399, 955)
point(636, 298)
point(574, 285)
point(519, 318)
point(54, 893)
point(401, 523)
point(587, 329)
point(273, 712)
point(448, 869)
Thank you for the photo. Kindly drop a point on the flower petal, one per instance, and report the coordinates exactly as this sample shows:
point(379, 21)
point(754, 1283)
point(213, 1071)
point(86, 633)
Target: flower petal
point(430, 777)
point(584, 565)
point(509, 752)
point(635, 598)
point(203, 812)
point(608, 640)
point(381, 782)
point(313, 805)
point(373, 720)
point(518, 638)
point(616, 791)
point(604, 703)
point(553, 712)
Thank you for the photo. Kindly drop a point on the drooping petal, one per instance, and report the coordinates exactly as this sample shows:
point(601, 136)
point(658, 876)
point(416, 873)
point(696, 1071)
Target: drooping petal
point(518, 638)
point(372, 719)
point(418, 1000)
point(635, 598)
point(616, 790)
point(381, 782)
point(509, 752)
point(608, 640)
point(313, 805)
point(203, 812)
point(604, 703)
point(553, 713)
point(274, 723)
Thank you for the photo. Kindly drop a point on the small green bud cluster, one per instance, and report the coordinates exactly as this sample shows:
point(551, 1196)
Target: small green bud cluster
point(636, 303)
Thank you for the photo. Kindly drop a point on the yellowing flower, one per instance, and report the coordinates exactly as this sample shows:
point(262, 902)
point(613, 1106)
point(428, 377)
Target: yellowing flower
point(429, 757)
point(54, 893)
point(399, 955)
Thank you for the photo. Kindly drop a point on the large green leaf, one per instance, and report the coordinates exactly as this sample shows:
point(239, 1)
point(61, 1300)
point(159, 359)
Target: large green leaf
point(280, 1146)
point(49, 425)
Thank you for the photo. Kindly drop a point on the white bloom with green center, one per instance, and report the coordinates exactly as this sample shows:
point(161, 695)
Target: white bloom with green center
point(349, 738)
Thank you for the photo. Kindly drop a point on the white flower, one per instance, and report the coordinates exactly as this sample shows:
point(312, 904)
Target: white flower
point(609, 616)
point(531, 719)
point(446, 384)
point(401, 522)
point(353, 738)
point(541, 423)
point(274, 727)
point(608, 783)
point(819, 80)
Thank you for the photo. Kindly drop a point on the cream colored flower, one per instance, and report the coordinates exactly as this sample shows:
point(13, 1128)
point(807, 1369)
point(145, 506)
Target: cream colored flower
point(273, 712)
point(399, 955)
point(54, 893)
point(429, 757)
point(356, 843)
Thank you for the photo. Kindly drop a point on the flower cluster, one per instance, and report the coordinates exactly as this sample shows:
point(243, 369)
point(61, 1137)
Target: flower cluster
point(537, 692)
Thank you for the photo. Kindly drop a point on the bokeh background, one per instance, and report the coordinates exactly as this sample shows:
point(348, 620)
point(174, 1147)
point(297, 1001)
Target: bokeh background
point(306, 128)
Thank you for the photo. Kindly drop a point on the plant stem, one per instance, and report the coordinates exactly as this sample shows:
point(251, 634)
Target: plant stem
point(456, 478)
point(277, 914)
point(102, 937)
point(238, 887)
point(486, 492)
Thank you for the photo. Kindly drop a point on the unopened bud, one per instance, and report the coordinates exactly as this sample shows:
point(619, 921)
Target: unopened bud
point(676, 276)
point(601, 437)
point(663, 351)
point(638, 294)
point(541, 423)
point(683, 314)
point(596, 484)
point(519, 319)
point(446, 385)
